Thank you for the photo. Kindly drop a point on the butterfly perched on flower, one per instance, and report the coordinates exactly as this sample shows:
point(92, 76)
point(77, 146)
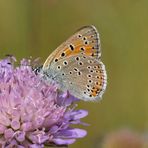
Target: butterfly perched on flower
point(76, 65)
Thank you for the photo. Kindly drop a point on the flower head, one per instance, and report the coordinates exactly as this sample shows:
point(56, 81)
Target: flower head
point(33, 113)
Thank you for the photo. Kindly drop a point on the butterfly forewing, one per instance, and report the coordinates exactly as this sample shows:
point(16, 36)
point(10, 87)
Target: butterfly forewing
point(85, 40)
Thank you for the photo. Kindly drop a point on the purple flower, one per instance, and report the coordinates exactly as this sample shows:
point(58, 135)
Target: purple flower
point(32, 113)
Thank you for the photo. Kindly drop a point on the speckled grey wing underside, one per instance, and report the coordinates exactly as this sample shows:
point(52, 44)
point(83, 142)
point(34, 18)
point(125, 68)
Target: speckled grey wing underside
point(81, 75)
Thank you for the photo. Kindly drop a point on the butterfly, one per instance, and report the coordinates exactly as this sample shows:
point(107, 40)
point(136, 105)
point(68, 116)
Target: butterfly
point(76, 65)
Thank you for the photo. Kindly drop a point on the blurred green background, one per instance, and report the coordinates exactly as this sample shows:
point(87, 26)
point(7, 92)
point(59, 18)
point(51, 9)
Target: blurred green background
point(36, 27)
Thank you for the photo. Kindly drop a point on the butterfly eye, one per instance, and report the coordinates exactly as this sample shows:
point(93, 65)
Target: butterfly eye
point(37, 70)
point(56, 60)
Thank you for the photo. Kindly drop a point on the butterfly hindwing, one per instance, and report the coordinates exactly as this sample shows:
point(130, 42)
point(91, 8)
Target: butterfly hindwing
point(83, 76)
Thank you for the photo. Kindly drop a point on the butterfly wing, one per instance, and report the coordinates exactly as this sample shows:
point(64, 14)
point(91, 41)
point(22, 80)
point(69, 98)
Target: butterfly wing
point(76, 66)
point(86, 40)
point(83, 76)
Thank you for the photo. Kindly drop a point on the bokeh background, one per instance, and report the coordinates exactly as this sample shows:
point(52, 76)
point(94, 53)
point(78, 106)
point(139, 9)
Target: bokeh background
point(36, 27)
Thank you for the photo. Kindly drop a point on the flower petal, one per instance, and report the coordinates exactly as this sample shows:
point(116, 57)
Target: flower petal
point(59, 141)
point(72, 133)
point(78, 114)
